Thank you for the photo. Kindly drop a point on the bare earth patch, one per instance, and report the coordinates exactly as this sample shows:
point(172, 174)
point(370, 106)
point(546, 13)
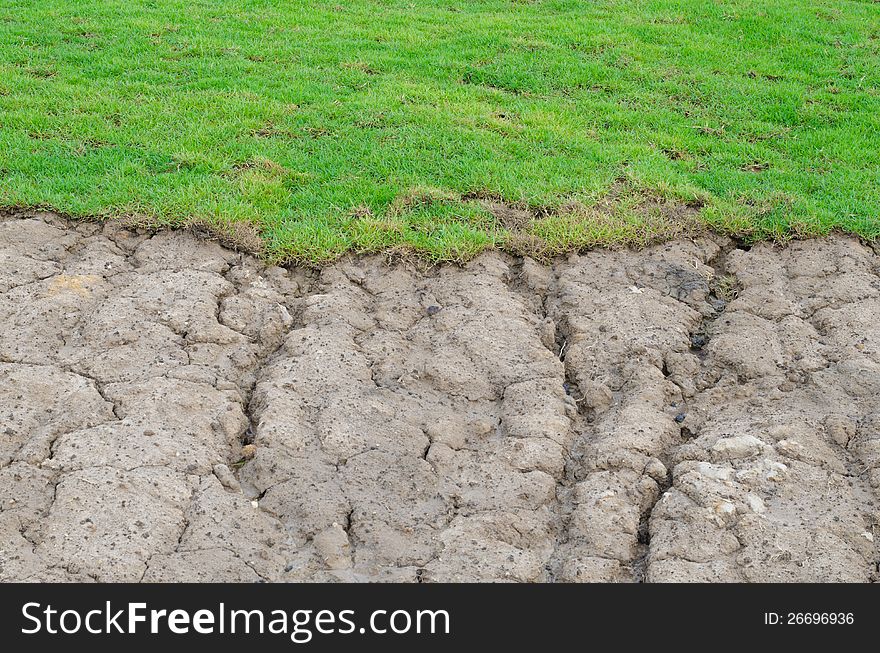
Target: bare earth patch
point(172, 410)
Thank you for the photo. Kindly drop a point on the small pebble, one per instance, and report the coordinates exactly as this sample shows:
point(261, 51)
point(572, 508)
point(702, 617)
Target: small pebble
point(434, 309)
point(679, 418)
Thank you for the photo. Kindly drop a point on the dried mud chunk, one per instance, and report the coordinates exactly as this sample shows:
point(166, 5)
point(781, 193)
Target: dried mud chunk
point(592, 569)
point(109, 522)
point(334, 548)
point(39, 403)
point(203, 566)
point(739, 446)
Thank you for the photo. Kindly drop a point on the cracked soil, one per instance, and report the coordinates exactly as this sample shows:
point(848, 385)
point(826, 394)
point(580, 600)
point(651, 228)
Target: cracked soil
point(171, 410)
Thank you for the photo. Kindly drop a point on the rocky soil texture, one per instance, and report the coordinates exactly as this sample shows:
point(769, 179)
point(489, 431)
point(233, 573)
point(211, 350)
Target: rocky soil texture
point(171, 410)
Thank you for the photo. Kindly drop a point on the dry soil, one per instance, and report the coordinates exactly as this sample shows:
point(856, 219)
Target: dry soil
point(172, 410)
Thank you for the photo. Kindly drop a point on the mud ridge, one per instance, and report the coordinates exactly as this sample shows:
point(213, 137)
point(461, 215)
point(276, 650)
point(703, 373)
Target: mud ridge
point(722, 289)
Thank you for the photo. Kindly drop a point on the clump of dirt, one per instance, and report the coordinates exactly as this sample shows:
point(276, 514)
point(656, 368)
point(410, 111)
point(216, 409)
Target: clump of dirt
point(259, 164)
point(175, 410)
point(515, 218)
point(623, 217)
point(239, 236)
point(419, 197)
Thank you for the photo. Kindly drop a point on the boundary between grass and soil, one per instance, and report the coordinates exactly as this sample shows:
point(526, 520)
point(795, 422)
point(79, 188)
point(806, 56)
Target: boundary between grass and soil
point(539, 232)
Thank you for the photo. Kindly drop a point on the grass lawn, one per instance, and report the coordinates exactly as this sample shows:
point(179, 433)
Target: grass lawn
point(307, 129)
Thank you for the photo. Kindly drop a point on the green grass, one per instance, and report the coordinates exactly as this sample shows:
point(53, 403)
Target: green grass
point(328, 127)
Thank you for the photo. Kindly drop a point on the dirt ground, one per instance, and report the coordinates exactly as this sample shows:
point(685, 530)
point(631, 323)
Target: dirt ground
point(171, 410)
